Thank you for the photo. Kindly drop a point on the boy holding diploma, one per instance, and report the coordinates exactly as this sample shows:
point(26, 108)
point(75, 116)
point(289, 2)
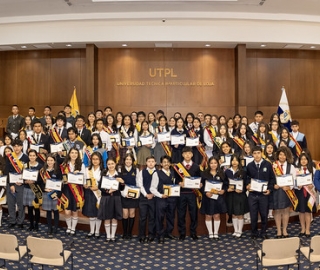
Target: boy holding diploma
point(259, 169)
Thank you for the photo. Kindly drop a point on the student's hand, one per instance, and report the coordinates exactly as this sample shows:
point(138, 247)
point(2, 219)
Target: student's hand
point(47, 190)
point(77, 171)
point(85, 186)
point(150, 196)
point(238, 190)
point(248, 186)
point(267, 192)
point(94, 188)
point(310, 187)
point(221, 192)
point(286, 188)
point(164, 196)
point(181, 184)
point(44, 151)
point(230, 189)
point(60, 153)
point(111, 191)
point(201, 185)
point(300, 187)
point(149, 145)
point(176, 145)
point(208, 194)
point(19, 184)
point(12, 189)
point(276, 186)
point(120, 180)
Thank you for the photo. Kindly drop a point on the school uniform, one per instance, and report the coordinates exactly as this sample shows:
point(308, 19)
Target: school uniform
point(42, 139)
point(105, 138)
point(113, 152)
point(3, 197)
point(210, 144)
point(14, 124)
point(85, 135)
point(258, 202)
point(266, 138)
point(125, 133)
point(143, 150)
point(87, 156)
point(197, 157)
point(187, 199)
point(158, 149)
point(165, 207)
point(177, 152)
point(300, 138)
point(129, 176)
point(28, 195)
point(63, 133)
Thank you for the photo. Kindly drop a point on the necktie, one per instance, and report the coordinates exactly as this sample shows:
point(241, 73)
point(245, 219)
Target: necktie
point(150, 171)
point(188, 166)
point(282, 168)
point(258, 166)
point(304, 190)
point(59, 130)
point(38, 138)
point(79, 132)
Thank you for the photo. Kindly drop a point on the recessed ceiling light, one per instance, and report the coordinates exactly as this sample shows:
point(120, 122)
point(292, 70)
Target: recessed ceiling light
point(23, 47)
point(124, 45)
point(312, 47)
point(263, 45)
point(207, 45)
point(68, 45)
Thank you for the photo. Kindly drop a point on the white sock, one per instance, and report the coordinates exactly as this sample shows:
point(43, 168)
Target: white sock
point(68, 221)
point(235, 224)
point(270, 212)
point(113, 230)
point(240, 225)
point(98, 225)
point(216, 224)
point(0, 217)
point(74, 223)
point(107, 228)
point(209, 226)
point(92, 224)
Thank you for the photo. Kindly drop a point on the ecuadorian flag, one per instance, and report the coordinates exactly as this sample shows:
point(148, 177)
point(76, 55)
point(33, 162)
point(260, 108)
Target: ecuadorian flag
point(284, 110)
point(74, 103)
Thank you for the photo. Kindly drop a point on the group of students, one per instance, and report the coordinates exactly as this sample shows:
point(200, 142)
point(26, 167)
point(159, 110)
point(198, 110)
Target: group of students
point(160, 166)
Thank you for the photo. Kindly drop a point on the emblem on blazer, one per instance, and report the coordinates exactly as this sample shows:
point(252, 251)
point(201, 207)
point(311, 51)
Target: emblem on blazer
point(218, 177)
point(133, 174)
point(264, 169)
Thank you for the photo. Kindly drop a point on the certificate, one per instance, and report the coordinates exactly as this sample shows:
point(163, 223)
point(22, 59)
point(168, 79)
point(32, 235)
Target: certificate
point(171, 190)
point(53, 185)
point(304, 179)
point(145, 140)
point(212, 186)
point(15, 178)
point(258, 185)
point(192, 141)
point(3, 181)
point(285, 180)
point(56, 147)
point(132, 192)
point(75, 178)
point(128, 142)
point(115, 138)
point(109, 183)
point(192, 182)
point(226, 162)
point(178, 139)
point(236, 183)
point(36, 147)
point(164, 137)
point(247, 160)
point(28, 174)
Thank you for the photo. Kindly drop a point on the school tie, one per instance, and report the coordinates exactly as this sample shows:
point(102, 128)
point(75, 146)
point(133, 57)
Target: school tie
point(258, 166)
point(304, 190)
point(150, 171)
point(59, 131)
point(38, 138)
point(188, 167)
point(79, 132)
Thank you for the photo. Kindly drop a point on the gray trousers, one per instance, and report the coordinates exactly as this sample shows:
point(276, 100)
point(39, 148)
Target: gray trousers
point(12, 200)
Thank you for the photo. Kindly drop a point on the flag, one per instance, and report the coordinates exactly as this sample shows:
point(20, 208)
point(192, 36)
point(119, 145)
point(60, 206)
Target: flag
point(284, 110)
point(74, 103)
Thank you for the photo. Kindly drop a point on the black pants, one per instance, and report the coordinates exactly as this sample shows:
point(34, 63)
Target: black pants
point(187, 200)
point(258, 203)
point(165, 208)
point(147, 211)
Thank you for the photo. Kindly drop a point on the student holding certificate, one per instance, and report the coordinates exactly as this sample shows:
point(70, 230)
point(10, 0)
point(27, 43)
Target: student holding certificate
point(225, 155)
point(165, 205)
point(179, 130)
point(237, 201)
point(110, 209)
point(3, 173)
point(95, 146)
point(261, 170)
point(242, 135)
point(213, 202)
point(129, 174)
point(73, 192)
point(112, 130)
point(127, 131)
point(283, 195)
point(306, 194)
point(51, 171)
point(222, 136)
point(209, 133)
point(197, 132)
point(269, 152)
point(144, 148)
point(161, 148)
point(32, 194)
point(92, 194)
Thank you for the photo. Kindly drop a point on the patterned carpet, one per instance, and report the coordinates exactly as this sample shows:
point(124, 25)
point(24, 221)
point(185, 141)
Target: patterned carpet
point(227, 253)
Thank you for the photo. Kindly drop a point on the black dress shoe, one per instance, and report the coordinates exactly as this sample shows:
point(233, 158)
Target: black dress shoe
point(170, 236)
point(278, 236)
point(264, 236)
point(182, 237)
point(49, 231)
point(253, 236)
point(55, 230)
point(89, 235)
point(20, 226)
point(142, 239)
point(150, 239)
point(12, 225)
point(31, 228)
point(194, 236)
point(161, 240)
point(301, 234)
point(285, 236)
point(36, 227)
point(308, 235)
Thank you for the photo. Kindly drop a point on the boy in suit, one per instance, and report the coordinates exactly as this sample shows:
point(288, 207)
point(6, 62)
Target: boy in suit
point(15, 122)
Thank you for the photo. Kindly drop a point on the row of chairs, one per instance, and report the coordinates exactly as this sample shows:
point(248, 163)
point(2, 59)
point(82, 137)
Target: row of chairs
point(286, 251)
point(38, 250)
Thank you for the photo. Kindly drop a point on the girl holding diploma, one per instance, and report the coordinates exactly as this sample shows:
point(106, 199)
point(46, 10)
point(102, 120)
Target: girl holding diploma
point(29, 197)
point(126, 130)
point(161, 149)
point(112, 130)
point(263, 136)
point(209, 134)
point(51, 171)
point(110, 209)
point(74, 192)
point(281, 202)
point(306, 205)
point(177, 148)
point(213, 207)
point(225, 155)
point(3, 197)
point(92, 194)
point(237, 201)
point(197, 131)
point(144, 150)
point(95, 146)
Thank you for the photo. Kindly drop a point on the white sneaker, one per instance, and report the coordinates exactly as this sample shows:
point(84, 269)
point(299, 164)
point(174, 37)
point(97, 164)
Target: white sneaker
point(239, 234)
point(234, 234)
point(216, 236)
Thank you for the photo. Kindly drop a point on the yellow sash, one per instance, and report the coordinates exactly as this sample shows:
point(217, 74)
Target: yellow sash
point(97, 193)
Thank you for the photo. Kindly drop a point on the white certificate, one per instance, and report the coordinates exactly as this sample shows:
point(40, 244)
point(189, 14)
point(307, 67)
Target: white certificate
point(146, 140)
point(227, 161)
point(36, 147)
point(285, 180)
point(177, 139)
point(75, 178)
point(171, 190)
point(57, 147)
point(258, 185)
point(304, 179)
point(192, 182)
point(109, 183)
point(248, 160)
point(53, 185)
point(3, 181)
point(115, 138)
point(15, 178)
point(192, 141)
point(129, 141)
point(211, 186)
point(30, 174)
point(164, 137)
point(130, 192)
point(237, 183)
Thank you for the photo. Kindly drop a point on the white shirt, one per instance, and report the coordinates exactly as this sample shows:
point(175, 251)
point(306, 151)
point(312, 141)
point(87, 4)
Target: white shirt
point(105, 138)
point(140, 181)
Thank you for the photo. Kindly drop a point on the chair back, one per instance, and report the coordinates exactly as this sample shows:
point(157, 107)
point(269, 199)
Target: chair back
point(280, 248)
point(9, 245)
point(315, 245)
point(45, 248)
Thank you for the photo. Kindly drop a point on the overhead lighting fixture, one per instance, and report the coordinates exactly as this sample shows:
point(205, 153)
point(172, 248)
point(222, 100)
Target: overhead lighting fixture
point(23, 47)
point(207, 45)
point(163, 45)
point(263, 45)
point(124, 45)
point(68, 45)
point(312, 47)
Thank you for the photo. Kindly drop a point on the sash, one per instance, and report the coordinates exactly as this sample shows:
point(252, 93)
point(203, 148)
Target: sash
point(37, 201)
point(202, 151)
point(15, 162)
point(290, 193)
point(274, 137)
point(115, 146)
point(97, 193)
point(138, 126)
point(212, 132)
point(88, 151)
point(298, 147)
point(125, 134)
point(239, 141)
point(255, 139)
point(165, 146)
point(3, 198)
point(182, 172)
point(79, 139)
point(76, 190)
point(55, 136)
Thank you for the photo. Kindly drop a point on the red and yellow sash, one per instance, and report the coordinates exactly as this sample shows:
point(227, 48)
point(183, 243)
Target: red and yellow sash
point(77, 190)
point(274, 137)
point(202, 151)
point(55, 136)
point(290, 193)
point(212, 132)
point(182, 172)
point(165, 146)
point(88, 151)
point(298, 147)
point(15, 162)
point(255, 139)
point(239, 141)
point(115, 146)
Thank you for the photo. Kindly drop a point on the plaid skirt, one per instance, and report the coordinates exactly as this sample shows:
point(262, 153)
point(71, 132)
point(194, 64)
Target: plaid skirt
point(48, 204)
point(28, 197)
